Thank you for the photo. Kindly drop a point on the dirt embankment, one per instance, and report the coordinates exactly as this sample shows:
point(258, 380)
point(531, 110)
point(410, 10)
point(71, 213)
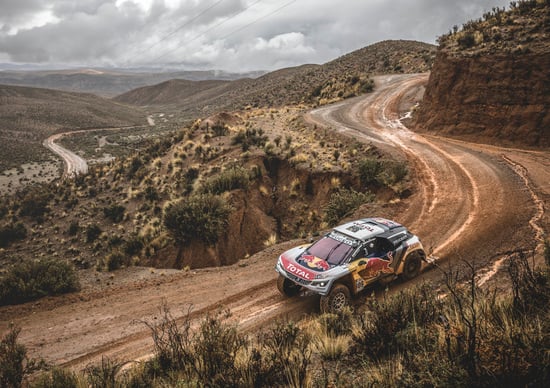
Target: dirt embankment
point(286, 201)
point(500, 99)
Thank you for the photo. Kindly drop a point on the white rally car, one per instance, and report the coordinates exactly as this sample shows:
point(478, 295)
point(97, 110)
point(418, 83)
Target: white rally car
point(349, 258)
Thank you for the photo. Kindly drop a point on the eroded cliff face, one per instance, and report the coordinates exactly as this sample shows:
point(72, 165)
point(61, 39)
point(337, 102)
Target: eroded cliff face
point(501, 99)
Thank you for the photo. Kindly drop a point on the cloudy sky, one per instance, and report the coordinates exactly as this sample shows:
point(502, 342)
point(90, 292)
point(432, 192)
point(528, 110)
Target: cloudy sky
point(231, 35)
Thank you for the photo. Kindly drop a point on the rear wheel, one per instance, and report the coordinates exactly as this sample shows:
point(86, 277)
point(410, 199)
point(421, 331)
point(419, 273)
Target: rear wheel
point(287, 287)
point(337, 299)
point(412, 266)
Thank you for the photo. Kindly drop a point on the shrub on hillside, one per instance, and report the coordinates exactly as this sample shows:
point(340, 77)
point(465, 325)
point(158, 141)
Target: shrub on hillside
point(14, 363)
point(34, 203)
point(200, 217)
point(12, 232)
point(93, 231)
point(232, 178)
point(369, 171)
point(114, 212)
point(35, 279)
point(343, 202)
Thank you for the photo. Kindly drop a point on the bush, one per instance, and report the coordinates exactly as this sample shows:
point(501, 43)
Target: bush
point(92, 233)
point(11, 233)
point(343, 202)
point(34, 203)
point(114, 212)
point(220, 129)
point(229, 179)
point(115, 260)
point(58, 378)
point(73, 229)
point(14, 364)
point(32, 280)
point(386, 328)
point(201, 217)
point(369, 170)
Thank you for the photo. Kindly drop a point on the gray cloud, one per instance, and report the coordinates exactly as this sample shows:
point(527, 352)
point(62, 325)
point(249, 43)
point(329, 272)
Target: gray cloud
point(229, 34)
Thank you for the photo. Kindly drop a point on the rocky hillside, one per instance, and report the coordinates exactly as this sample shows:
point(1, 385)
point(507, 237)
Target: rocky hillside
point(344, 77)
point(490, 78)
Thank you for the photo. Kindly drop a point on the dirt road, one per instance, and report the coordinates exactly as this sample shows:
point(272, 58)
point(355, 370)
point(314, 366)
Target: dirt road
point(471, 202)
point(73, 163)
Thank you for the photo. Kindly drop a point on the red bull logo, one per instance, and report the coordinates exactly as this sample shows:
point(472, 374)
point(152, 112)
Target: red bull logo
point(376, 266)
point(315, 262)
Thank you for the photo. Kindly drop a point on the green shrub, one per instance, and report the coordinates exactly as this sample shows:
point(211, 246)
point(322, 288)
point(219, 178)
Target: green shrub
point(369, 170)
point(220, 129)
point(12, 232)
point(386, 328)
point(35, 202)
point(343, 202)
point(14, 363)
point(229, 179)
point(115, 260)
point(466, 40)
point(393, 172)
point(200, 217)
point(133, 245)
point(73, 229)
point(35, 279)
point(58, 378)
point(93, 231)
point(105, 374)
point(114, 212)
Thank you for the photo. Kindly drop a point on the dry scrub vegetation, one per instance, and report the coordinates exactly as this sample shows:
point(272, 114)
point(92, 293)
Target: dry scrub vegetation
point(520, 30)
point(478, 338)
point(258, 174)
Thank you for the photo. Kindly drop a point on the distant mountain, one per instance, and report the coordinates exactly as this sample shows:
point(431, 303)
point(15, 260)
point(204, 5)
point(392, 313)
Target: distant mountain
point(344, 77)
point(29, 115)
point(108, 82)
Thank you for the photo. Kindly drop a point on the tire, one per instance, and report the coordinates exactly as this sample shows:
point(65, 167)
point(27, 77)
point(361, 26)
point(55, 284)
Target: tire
point(336, 300)
point(412, 266)
point(287, 287)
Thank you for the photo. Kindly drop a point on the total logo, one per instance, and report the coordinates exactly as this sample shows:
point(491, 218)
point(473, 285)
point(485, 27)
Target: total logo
point(298, 271)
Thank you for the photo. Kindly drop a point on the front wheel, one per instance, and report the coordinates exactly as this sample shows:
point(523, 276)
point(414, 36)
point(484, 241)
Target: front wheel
point(336, 300)
point(412, 266)
point(287, 287)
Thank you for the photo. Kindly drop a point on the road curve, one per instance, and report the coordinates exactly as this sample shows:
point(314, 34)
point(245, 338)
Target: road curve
point(73, 164)
point(470, 202)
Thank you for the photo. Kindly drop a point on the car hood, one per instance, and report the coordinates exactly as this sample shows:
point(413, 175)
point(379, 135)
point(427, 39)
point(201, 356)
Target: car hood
point(303, 265)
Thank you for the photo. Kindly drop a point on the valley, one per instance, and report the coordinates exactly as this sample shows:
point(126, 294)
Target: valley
point(471, 202)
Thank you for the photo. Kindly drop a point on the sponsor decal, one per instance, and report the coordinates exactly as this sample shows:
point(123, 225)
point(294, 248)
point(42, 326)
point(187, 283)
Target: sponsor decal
point(376, 266)
point(315, 262)
point(343, 239)
point(297, 270)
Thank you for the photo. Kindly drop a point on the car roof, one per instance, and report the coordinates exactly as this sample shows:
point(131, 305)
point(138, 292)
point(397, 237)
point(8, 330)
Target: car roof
point(368, 228)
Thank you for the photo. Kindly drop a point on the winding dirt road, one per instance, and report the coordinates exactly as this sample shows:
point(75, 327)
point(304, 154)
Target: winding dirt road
point(73, 164)
point(471, 202)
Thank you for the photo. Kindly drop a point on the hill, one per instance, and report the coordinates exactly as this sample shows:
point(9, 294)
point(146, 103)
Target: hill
point(490, 79)
point(344, 77)
point(29, 115)
point(108, 82)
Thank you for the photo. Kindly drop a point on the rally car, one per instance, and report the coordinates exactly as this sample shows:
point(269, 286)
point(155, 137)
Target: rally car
point(349, 258)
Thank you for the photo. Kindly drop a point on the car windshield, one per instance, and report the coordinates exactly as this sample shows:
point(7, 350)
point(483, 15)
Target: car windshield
point(332, 251)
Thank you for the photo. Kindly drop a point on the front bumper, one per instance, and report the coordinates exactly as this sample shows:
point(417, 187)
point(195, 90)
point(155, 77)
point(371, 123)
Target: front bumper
point(318, 286)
